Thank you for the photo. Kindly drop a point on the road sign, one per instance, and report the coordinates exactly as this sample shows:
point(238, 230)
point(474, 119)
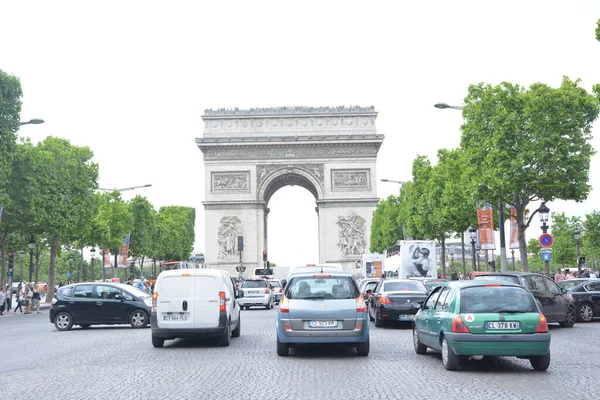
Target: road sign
point(238, 269)
point(68, 275)
point(546, 256)
point(547, 250)
point(546, 240)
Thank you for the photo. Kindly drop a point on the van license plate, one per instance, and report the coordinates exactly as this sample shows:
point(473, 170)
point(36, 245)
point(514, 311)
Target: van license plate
point(175, 317)
point(501, 325)
point(322, 324)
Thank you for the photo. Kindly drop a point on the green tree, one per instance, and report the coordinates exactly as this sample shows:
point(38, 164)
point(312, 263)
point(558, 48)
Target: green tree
point(144, 221)
point(386, 229)
point(523, 145)
point(590, 237)
point(176, 232)
point(116, 217)
point(564, 249)
point(598, 30)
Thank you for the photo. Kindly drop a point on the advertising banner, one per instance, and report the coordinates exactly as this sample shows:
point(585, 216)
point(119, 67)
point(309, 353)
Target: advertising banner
point(123, 252)
point(107, 258)
point(514, 229)
point(485, 220)
point(371, 265)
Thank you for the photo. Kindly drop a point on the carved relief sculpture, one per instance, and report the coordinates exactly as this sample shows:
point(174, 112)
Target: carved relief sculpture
point(352, 235)
point(350, 179)
point(229, 230)
point(230, 181)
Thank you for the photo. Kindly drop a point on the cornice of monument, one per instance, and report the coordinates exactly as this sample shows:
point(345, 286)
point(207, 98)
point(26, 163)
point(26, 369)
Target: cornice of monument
point(288, 111)
point(328, 139)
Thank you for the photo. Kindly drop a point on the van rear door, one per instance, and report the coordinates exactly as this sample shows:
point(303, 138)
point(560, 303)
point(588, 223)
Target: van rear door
point(175, 305)
point(206, 306)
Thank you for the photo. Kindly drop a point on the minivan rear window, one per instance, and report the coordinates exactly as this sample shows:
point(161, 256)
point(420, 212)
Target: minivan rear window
point(332, 287)
point(506, 278)
point(254, 284)
point(494, 299)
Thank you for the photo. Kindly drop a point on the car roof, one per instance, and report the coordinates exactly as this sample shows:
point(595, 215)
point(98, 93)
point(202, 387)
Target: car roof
point(401, 280)
point(194, 272)
point(469, 283)
point(318, 272)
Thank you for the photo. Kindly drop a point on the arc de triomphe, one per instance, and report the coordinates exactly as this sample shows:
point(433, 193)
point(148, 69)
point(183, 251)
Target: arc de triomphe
point(250, 154)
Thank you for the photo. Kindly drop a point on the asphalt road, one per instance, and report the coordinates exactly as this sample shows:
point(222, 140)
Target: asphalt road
point(36, 361)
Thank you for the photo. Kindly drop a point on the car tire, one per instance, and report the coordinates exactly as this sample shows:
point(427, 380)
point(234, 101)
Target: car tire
point(238, 329)
point(420, 348)
point(85, 326)
point(63, 321)
point(362, 348)
point(226, 338)
point(157, 341)
point(450, 360)
point(585, 313)
point(540, 363)
point(378, 321)
point(138, 319)
point(283, 349)
point(569, 318)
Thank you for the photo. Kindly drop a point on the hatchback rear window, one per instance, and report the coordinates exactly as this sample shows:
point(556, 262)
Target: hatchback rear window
point(493, 299)
point(331, 287)
point(403, 286)
point(506, 278)
point(275, 283)
point(254, 284)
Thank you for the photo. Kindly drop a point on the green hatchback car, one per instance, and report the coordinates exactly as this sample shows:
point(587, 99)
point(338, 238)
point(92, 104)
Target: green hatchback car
point(474, 319)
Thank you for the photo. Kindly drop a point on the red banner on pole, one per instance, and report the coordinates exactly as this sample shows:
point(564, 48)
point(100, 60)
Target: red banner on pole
point(123, 253)
point(485, 220)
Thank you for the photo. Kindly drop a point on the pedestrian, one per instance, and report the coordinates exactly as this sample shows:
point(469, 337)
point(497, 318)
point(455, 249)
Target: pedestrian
point(2, 301)
point(35, 300)
point(559, 276)
point(19, 301)
point(129, 281)
point(29, 297)
point(8, 292)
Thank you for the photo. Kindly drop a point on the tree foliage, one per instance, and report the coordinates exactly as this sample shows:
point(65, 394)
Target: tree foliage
point(564, 247)
point(175, 233)
point(386, 228)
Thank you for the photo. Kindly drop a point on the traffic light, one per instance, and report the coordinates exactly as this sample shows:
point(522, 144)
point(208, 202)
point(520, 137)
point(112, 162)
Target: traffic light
point(265, 255)
point(11, 260)
point(132, 267)
point(240, 243)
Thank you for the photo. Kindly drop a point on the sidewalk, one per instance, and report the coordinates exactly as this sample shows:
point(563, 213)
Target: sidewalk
point(43, 307)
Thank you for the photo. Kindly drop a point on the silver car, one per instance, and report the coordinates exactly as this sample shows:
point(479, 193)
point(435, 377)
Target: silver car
point(256, 293)
point(277, 289)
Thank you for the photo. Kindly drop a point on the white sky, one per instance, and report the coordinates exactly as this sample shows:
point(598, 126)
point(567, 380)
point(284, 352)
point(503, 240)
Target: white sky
point(131, 79)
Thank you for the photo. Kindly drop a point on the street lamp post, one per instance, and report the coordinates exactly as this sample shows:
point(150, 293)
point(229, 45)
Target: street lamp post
point(93, 253)
point(126, 189)
point(31, 246)
point(544, 213)
point(22, 254)
point(473, 236)
point(400, 183)
point(34, 121)
point(577, 235)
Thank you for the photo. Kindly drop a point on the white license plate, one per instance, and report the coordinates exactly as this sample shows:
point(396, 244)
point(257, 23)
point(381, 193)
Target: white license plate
point(501, 325)
point(322, 324)
point(406, 316)
point(175, 317)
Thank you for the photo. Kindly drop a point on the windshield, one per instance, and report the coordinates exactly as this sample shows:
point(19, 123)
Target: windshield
point(569, 284)
point(254, 284)
point(134, 291)
point(329, 287)
point(275, 283)
point(403, 287)
point(430, 285)
point(507, 278)
point(495, 299)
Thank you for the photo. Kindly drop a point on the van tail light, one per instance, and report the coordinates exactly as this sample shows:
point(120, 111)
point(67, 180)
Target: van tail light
point(222, 306)
point(284, 305)
point(266, 290)
point(360, 304)
point(385, 300)
point(154, 300)
point(458, 326)
point(543, 325)
point(280, 290)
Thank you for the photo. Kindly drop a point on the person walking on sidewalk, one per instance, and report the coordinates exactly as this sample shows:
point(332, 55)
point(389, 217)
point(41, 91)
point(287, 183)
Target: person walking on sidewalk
point(19, 301)
point(8, 292)
point(29, 297)
point(36, 298)
point(2, 301)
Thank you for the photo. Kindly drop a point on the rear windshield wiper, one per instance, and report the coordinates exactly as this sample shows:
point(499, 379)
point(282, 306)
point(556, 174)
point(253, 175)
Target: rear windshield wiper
point(312, 298)
point(501, 311)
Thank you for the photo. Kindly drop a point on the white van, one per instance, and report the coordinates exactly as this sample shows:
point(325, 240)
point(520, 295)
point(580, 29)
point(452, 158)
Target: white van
point(191, 303)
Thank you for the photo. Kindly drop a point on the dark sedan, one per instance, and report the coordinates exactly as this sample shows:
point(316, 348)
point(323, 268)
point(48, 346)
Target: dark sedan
point(586, 293)
point(91, 303)
point(392, 300)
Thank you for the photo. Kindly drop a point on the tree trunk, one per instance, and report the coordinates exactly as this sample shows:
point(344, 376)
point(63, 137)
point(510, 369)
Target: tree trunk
point(37, 266)
point(52, 268)
point(462, 246)
point(3, 256)
point(443, 256)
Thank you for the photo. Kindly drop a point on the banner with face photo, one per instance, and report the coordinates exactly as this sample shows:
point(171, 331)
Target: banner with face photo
point(107, 258)
point(485, 220)
point(514, 229)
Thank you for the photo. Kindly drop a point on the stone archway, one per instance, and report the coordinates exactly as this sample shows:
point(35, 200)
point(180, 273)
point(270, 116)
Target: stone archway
point(250, 154)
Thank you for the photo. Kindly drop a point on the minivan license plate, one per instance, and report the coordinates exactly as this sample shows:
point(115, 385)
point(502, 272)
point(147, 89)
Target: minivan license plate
point(501, 325)
point(322, 324)
point(175, 317)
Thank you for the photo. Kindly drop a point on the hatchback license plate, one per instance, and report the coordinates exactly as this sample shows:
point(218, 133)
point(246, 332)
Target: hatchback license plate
point(405, 316)
point(501, 325)
point(322, 324)
point(175, 317)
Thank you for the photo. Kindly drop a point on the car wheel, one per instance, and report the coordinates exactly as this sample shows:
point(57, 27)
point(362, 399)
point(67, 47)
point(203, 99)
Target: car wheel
point(85, 326)
point(540, 363)
point(238, 329)
point(157, 341)
point(449, 359)
point(362, 348)
point(138, 319)
point(420, 348)
point(63, 321)
point(283, 349)
point(226, 338)
point(569, 318)
point(585, 313)
point(378, 321)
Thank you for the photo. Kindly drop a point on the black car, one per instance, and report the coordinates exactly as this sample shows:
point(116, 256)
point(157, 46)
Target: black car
point(392, 300)
point(556, 304)
point(586, 293)
point(101, 303)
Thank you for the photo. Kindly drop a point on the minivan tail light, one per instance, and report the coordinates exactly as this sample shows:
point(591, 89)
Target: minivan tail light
point(222, 306)
point(458, 326)
point(360, 304)
point(284, 305)
point(154, 300)
point(543, 325)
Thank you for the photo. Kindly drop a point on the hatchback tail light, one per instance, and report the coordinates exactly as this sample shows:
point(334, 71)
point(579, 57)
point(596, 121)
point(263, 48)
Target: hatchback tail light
point(154, 300)
point(284, 305)
point(385, 300)
point(458, 326)
point(222, 306)
point(360, 304)
point(543, 325)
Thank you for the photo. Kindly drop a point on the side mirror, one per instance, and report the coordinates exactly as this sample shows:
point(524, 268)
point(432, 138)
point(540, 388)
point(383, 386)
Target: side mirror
point(563, 290)
point(283, 284)
point(119, 297)
point(417, 305)
point(240, 294)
